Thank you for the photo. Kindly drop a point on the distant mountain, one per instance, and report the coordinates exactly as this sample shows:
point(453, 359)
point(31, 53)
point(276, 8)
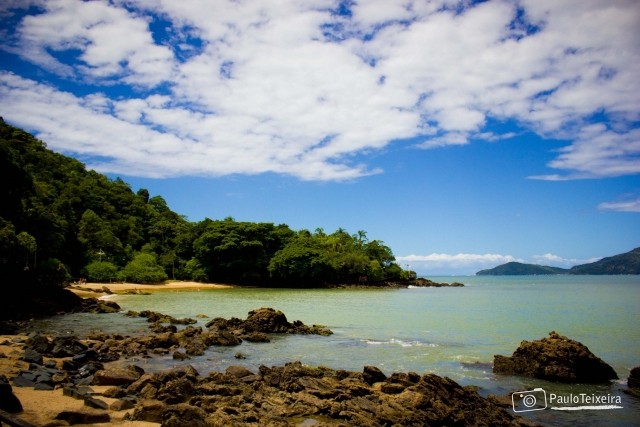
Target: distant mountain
point(626, 263)
point(520, 269)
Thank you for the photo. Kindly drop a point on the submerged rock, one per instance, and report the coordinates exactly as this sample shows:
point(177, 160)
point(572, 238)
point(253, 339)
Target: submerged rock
point(555, 358)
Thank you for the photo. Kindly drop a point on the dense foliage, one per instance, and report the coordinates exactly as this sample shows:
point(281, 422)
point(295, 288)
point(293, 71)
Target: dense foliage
point(60, 222)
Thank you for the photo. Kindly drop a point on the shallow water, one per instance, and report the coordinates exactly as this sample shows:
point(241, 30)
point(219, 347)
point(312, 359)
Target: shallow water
point(452, 332)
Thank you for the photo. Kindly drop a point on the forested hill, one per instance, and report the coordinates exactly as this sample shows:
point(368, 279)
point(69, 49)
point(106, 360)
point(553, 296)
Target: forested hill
point(520, 269)
point(626, 263)
point(60, 222)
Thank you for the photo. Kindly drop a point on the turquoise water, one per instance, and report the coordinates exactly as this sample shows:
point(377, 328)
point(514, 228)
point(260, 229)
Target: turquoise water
point(452, 332)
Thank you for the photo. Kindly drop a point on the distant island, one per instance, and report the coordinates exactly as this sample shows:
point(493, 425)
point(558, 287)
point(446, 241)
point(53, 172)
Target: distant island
point(626, 263)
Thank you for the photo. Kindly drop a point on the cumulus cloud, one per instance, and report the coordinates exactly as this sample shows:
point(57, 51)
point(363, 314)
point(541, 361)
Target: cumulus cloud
point(309, 88)
point(466, 264)
point(462, 263)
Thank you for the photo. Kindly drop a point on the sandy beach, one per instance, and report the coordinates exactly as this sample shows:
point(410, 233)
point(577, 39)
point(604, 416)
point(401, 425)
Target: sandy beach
point(40, 407)
point(96, 290)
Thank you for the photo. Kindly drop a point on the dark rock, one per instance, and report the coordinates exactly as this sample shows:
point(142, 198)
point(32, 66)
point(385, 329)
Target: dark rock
point(22, 381)
point(116, 376)
point(176, 391)
point(9, 402)
point(555, 358)
point(150, 411)
point(633, 382)
point(81, 417)
point(84, 357)
point(267, 320)
point(77, 392)
point(115, 392)
point(257, 337)
point(122, 405)
point(238, 371)
point(634, 378)
point(38, 342)
point(32, 356)
point(43, 385)
point(92, 402)
point(183, 415)
point(66, 347)
point(426, 283)
point(178, 355)
point(282, 394)
point(372, 374)
point(222, 338)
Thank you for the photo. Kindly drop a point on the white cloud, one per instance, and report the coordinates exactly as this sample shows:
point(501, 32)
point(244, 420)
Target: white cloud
point(466, 264)
point(462, 263)
point(112, 43)
point(558, 261)
point(293, 88)
point(632, 205)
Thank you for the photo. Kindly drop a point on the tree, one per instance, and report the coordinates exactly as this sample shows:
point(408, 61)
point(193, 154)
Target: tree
point(143, 269)
point(96, 235)
point(29, 245)
point(101, 271)
point(302, 263)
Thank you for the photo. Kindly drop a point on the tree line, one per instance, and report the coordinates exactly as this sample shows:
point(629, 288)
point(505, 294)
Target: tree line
point(60, 222)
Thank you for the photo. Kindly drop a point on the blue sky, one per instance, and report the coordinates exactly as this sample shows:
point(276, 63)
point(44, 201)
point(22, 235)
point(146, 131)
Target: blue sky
point(462, 134)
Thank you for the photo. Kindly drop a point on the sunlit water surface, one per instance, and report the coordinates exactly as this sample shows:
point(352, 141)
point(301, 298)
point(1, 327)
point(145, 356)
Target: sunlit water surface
point(452, 332)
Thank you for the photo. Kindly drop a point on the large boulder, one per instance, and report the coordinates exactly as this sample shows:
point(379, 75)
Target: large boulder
point(555, 358)
point(633, 382)
point(9, 402)
point(267, 320)
point(118, 376)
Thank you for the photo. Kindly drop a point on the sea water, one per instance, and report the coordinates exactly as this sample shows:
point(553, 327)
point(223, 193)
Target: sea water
point(453, 332)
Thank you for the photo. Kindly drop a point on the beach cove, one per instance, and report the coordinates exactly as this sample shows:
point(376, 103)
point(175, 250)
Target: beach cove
point(451, 332)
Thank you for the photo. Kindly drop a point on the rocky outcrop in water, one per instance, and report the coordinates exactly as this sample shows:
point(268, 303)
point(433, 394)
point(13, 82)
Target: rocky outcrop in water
point(633, 382)
point(555, 358)
point(293, 394)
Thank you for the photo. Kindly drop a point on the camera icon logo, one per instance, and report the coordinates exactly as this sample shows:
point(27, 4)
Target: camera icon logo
point(529, 400)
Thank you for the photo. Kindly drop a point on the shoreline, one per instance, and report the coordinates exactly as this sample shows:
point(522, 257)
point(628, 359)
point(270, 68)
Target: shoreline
point(96, 290)
point(293, 394)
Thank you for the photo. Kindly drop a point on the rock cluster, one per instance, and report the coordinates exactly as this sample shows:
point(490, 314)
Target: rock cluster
point(265, 320)
point(293, 394)
point(426, 283)
point(296, 394)
point(555, 358)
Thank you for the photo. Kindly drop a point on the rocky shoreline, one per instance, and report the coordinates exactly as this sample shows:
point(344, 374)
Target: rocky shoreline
point(293, 394)
point(94, 372)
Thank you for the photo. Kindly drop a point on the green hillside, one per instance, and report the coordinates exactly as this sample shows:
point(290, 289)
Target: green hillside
point(520, 269)
point(60, 222)
point(627, 263)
